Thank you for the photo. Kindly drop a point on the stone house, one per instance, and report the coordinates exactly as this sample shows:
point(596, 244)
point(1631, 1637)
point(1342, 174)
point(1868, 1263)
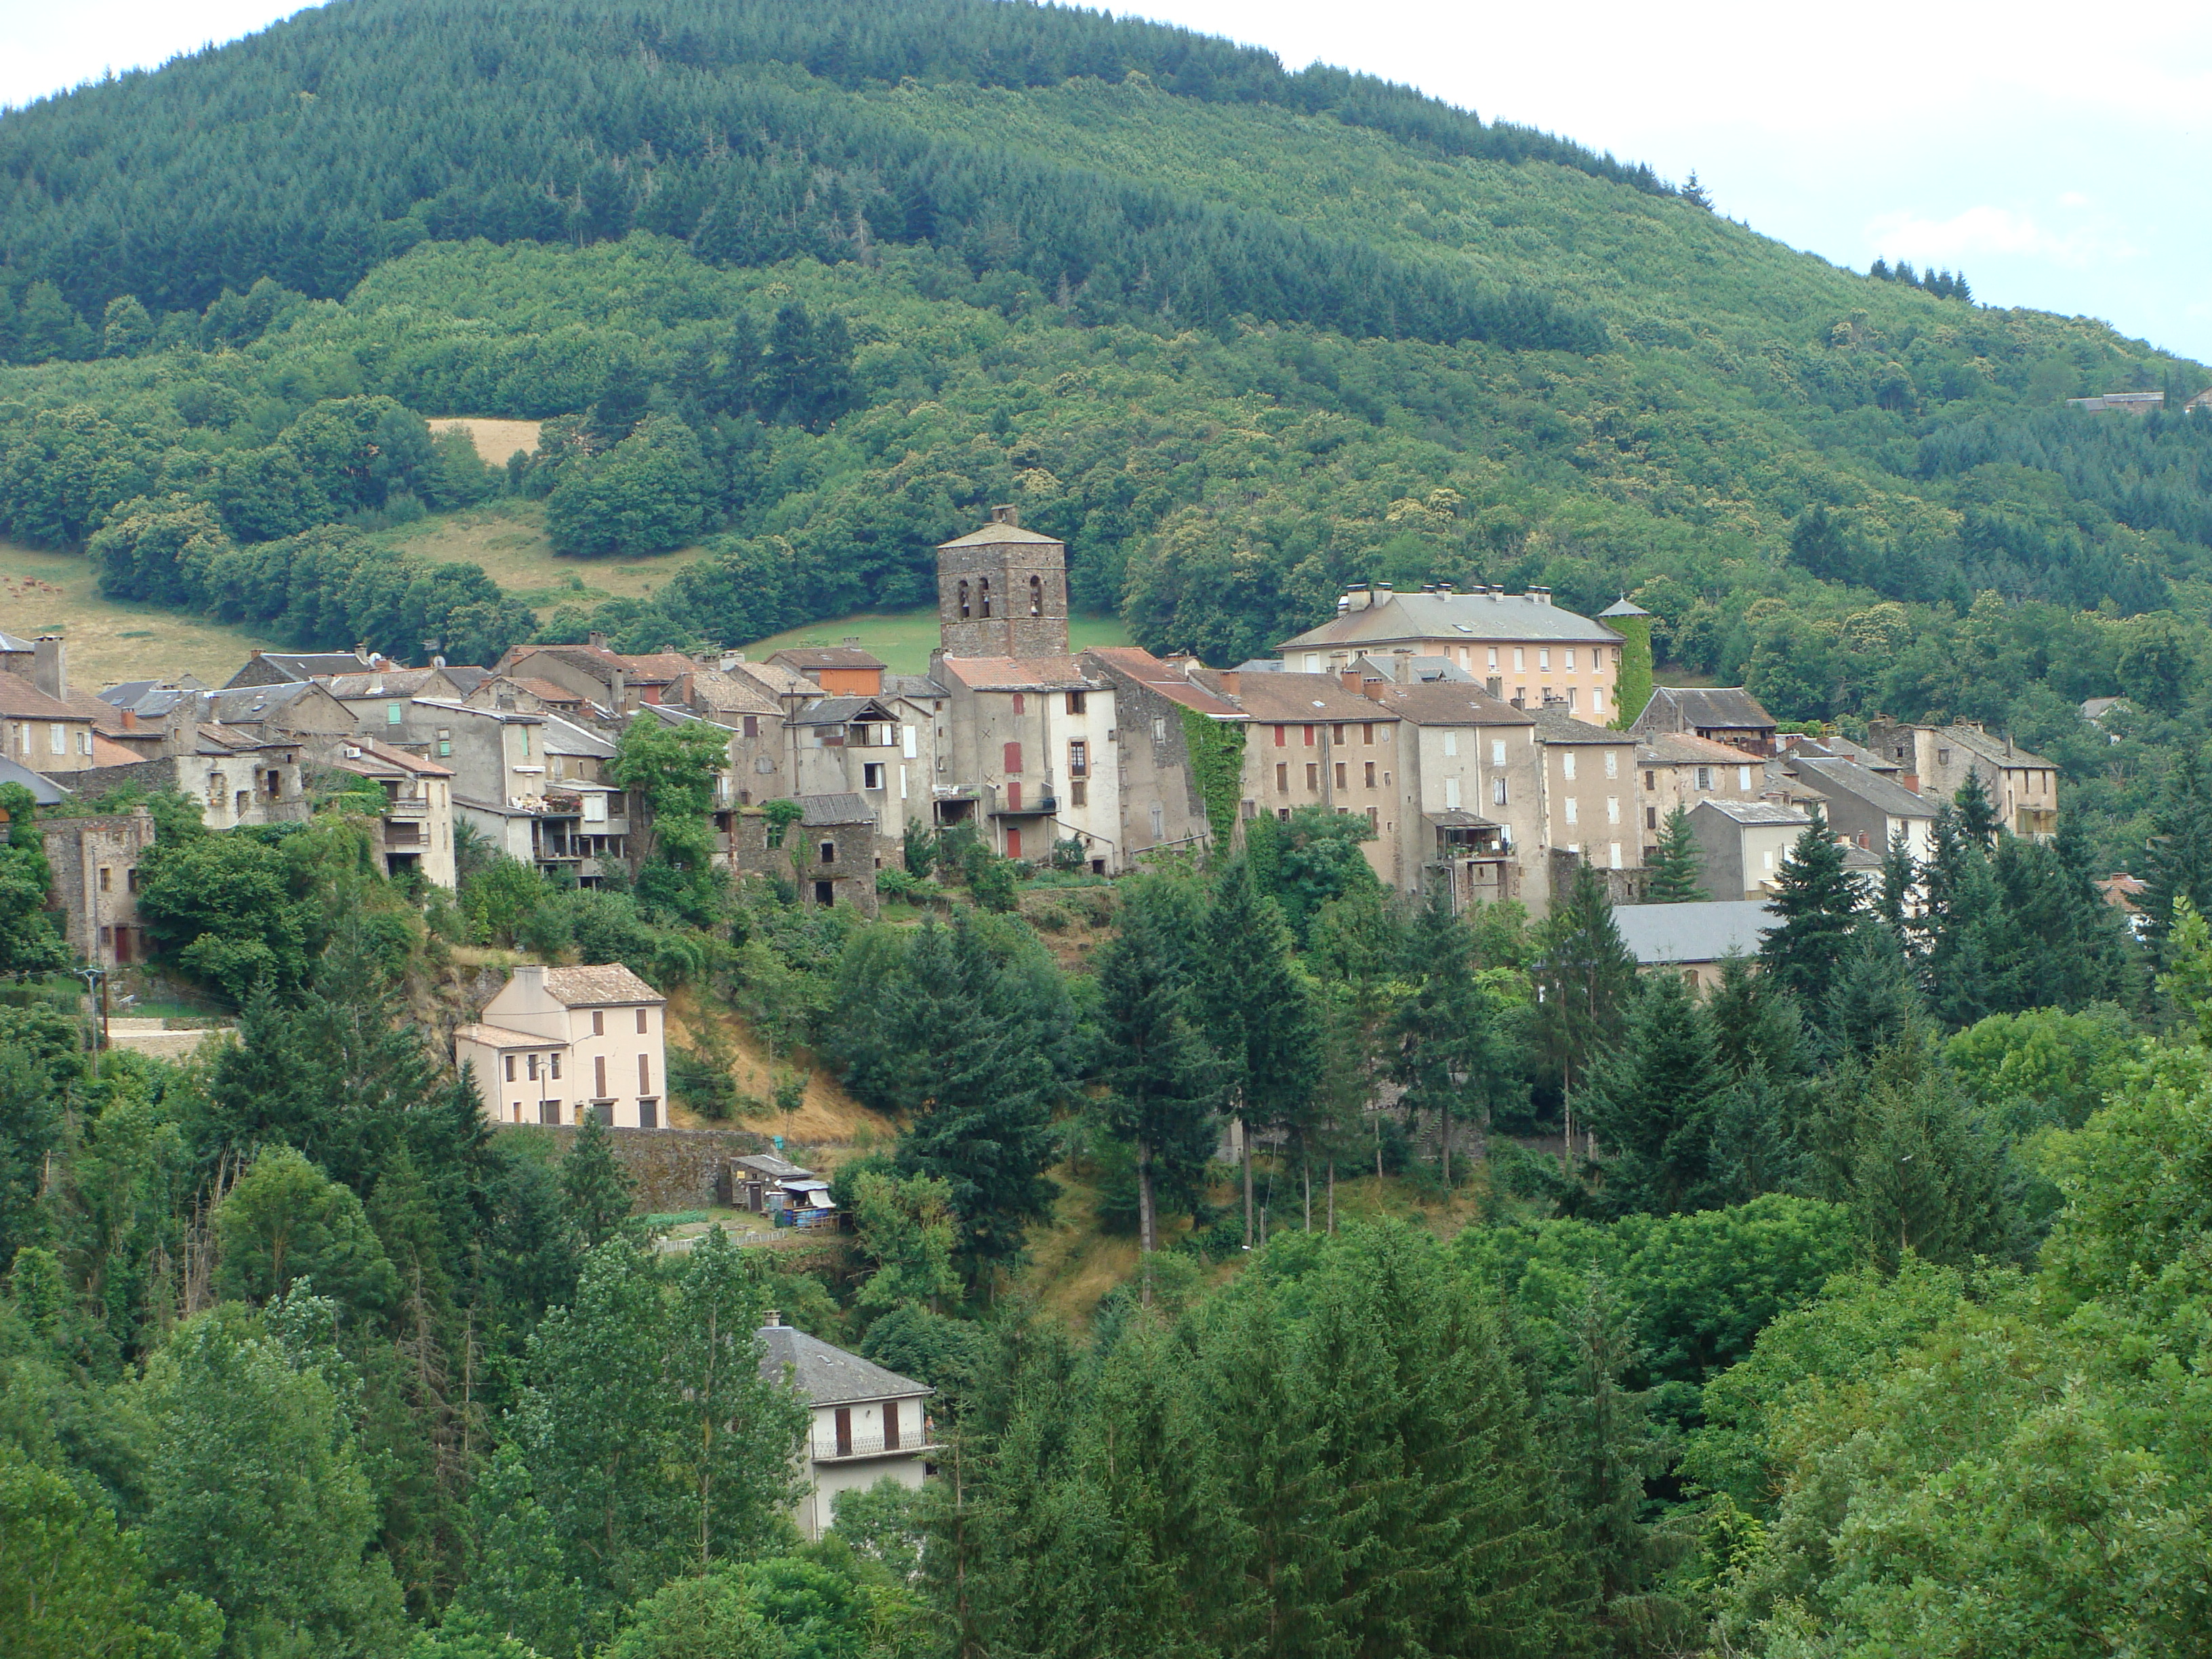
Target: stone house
point(1163, 798)
point(1741, 845)
point(1470, 802)
point(535, 786)
point(417, 821)
point(868, 1424)
point(1727, 714)
point(378, 697)
point(1936, 760)
point(39, 728)
point(291, 667)
point(95, 861)
point(1521, 647)
point(1681, 768)
point(841, 671)
point(1318, 740)
point(1588, 779)
point(554, 1042)
point(848, 745)
point(830, 853)
point(1864, 808)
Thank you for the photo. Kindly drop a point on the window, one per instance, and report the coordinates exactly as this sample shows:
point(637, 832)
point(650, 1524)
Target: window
point(1336, 733)
point(1282, 736)
point(530, 1066)
point(510, 1068)
point(58, 737)
point(1451, 795)
point(599, 1067)
point(1613, 809)
point(1520, 658)
point(1497, 791)
point(983, 595)
point(1013, 758)
point(1616, 656)
point(1078, 794)
point(1341, 779)
point(871, 774)
point(1743, 779)
point(1367, 731)
point(649, 1115)
point(1370, 774)
point(1313, 662)
point(1493, 657)
point(1616, 856)
point(1075, 705)
point(1313, 776)
point(1544, 657)
point(1497, 751)
point(1160, 728)
point(1037, 596)
point(1650, 817)
point(1567, 765)
point(130, 880)
point(1612, 762)
point(752, 725)
point(1651, 779)
point(1282, 777)
point(1571, 815)
point(964, 599)
point(1451, 743)
point(599, 1026)
point(644, 1026)
point(105, 872)
point(1021, 703)
point(1571, 660)
point(844, 1430)
point(1942, 757)
point(394, 713)
point(1374, 819)
point(828, 850)
point(891, 1425)
point(244, 796)
point(84, 741)
point(1308, 732)
point(1159, 821)
point(645, 1074)
point(1704, 777)
point(1574, 697)
point(1014, 796)
point(906, 742)
point(1079, 758)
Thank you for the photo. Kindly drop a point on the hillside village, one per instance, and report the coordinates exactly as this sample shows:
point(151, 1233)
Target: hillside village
point(1480, 734)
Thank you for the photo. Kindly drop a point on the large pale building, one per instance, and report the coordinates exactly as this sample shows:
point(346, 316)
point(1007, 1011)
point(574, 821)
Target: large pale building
point(1519, 648)
point(557, 1042)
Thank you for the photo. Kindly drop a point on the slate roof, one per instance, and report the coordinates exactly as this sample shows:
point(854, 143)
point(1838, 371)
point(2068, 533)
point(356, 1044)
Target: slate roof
point(995, 532)
point(1624, 606)
point(586, 987)
point(1015, 673)
point(824, 812)
point(1875, 790)
point(1998, 751)
point(836, 711)
point(1662, 935)
point(561, 737)
point(304, 664)
point(775, 679)
point(148, 699)
point(768, 1164)
point(468, 678)
point(10, 642)
point(376, 760)
point(246, 705)
point(44, 790)
point(1722, 708)
point(729, 694)
point(1445, 702)
point(1468, 617)
point(918, 688)
point(393, 682)
point(1755, 812)
point(825, 1376)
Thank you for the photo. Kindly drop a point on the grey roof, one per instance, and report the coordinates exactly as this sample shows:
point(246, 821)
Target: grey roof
point(564, 737)
point(148, 699)
point(1725, 707)
point(44, 790)
point(1754, 811)
point(1849, 778)
point(1998, 751)
point(827, 1376)
point(1454, 617)
point(244, 705)
point(467, 678)
point(836, 711)
point(10, 642)
point(824, 811)
point(1624, 606)
point(998, 532)
point(767, 1163)
point(919, 687)
point(598, 985)
point(1663, 934)
point(827, 656)
point(1555, 725)
point(1416, 667)
point(306, 664)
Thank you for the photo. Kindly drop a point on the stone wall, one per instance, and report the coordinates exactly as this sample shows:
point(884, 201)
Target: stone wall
point(674, 1169)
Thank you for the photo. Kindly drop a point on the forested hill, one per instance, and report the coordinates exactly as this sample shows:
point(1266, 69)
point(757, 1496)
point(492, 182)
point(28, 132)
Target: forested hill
point(816, 283)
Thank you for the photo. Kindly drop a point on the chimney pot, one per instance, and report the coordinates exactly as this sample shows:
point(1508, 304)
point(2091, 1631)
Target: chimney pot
point(772, 1317)
point(1008, 515)
point(130, 720)
point(596, 640)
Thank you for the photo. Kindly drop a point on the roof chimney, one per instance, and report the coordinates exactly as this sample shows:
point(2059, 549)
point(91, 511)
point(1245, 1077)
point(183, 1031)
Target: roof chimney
point(596, 640)
point(1231, 679)
point(50, 666)
point(531, 976)
point(130, 720)
point(1007, 515)
point(1350, 678)
point(360, 652)
point(773, 1316)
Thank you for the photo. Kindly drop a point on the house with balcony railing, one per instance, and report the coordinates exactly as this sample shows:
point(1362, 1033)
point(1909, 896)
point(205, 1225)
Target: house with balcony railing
point(868, 1424)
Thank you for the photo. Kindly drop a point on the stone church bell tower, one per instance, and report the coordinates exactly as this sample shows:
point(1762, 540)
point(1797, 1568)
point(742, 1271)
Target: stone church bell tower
point(1002, 591)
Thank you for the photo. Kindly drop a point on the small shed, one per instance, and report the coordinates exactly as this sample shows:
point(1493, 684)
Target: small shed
point(775, 1187)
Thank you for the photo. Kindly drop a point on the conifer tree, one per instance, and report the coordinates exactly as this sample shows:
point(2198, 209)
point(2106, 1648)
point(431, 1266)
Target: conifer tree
point(1448, 1054)
point(1676, 874)
point(2179, 855)
point(597, 1190)
point(1874, 1002)
point(1650, 1104)
point(1978, 816)
point(1816, 901)
point(1585, 981)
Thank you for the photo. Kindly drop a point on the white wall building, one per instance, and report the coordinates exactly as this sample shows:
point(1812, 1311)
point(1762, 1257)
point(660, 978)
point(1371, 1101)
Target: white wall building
point(555, 1042)
point(869, 1425)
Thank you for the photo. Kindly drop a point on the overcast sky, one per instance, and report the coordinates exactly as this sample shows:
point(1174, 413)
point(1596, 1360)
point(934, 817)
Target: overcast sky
point(2054, 154)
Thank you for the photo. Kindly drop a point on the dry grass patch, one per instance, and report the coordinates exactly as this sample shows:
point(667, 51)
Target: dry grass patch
point(829, 1118)
point(43, 593)
point(495, 439)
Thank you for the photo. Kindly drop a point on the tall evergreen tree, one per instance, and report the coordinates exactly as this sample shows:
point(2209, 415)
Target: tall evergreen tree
point(2179, 855)
point(1978, 815)
point(1448, 1054)
point(1816, 901)
point(1585, 982)
point(1675, 876)
point(597, 1191)
point(1650, 1104)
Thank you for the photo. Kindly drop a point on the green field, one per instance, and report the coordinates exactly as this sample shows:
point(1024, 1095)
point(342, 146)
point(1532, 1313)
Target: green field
point(45, 593)
point(905, 639)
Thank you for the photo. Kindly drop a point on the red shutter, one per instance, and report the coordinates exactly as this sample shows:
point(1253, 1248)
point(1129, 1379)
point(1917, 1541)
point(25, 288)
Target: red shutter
point(1014, 797)
point(1013, 759)
point(1282, 736)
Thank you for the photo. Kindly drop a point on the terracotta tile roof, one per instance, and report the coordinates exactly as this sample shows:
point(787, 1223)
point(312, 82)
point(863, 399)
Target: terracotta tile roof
point(1141, 666)
point(380, 758)
point(1282, 698)
point(547, 691)
point(1447, 703)
point(498, 1036)
point(1017, 673)
point(21, 700)
point(585, 988)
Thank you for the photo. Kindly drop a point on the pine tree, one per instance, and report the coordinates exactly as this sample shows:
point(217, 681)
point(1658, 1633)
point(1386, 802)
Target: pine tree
point(2178, 856)
point(596, 1188)
point(1978, 817)
point(1874, 1002)
point(1817, 903)
point(1255, 1008)
point(1674, 874)
point(1159, 1072)
point(1650, 1103)
point(1585, 981)
point(1446, 1053)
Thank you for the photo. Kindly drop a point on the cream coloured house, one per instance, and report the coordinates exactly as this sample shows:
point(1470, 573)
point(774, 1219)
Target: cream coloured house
point(868, 1424)
point(557, 1042)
